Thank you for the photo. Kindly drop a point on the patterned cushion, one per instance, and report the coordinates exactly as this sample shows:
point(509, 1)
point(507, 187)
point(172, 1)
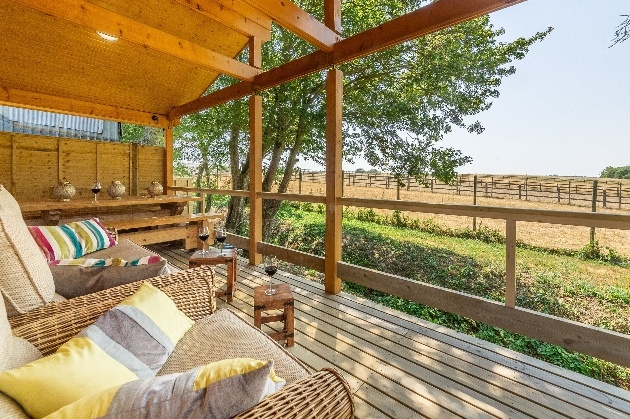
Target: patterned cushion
point(128, 342)
point(219, 390)
point(25, 278)
point(72, 240)
point(93, 263)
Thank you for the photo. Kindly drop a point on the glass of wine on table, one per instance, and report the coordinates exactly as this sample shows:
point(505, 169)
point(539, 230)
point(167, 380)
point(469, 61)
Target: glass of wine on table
point(96, 188)
point(204, 233)
point(271, 267)
point(220, 237)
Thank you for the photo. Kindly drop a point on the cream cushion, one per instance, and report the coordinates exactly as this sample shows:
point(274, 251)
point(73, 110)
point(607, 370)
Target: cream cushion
point(25, 278)
point(14, 352)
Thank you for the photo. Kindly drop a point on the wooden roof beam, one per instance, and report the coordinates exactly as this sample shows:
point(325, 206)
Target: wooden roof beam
point(231, 18)
point(86, 14)
point(425, 20)
point(41, 102)
point(293, 18)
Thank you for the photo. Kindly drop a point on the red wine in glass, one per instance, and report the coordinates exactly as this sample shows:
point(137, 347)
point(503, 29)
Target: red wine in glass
point(271, 267)
point(221, 238)
point(96, 188)
point(204, 233)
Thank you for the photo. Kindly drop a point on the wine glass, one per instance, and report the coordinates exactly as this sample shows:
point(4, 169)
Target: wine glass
point(204, 233)
point(271, 267)
point(96, 188)
point(221, 237)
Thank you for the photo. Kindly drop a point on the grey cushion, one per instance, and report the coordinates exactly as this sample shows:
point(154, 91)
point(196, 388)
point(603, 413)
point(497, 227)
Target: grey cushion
point(74, 281)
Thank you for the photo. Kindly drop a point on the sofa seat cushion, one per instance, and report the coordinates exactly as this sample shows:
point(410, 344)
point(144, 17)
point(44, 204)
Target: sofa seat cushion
point(219, 390)
point(128, 342)
point(74, 281)
point(223, 335)
point(25, 278)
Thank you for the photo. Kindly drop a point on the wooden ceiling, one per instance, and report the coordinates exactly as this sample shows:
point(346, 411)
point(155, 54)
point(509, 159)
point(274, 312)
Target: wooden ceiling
point(168, 52)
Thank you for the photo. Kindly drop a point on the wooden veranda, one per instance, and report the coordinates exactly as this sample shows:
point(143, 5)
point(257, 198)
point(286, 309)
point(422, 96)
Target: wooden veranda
point(151, 62)
point(399, 366)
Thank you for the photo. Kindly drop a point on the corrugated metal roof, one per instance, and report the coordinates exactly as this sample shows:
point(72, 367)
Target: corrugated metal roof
point(27, 121)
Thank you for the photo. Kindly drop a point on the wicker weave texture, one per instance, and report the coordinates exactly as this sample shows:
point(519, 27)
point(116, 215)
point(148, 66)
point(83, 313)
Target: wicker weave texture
point(224, 335)
point(324, 395)
point(25, 278)
point(54, 324)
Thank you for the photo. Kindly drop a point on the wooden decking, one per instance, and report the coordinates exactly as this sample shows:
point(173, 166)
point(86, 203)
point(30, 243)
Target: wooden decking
point(400, 367)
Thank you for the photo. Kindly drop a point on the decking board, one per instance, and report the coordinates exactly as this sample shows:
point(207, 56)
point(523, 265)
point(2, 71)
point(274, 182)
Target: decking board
point(398, 366)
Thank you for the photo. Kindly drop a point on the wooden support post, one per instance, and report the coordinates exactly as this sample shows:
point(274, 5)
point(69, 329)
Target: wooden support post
point(510, 263)
point(475, 201)
point(431, 184)
point(594, 209)
point(397, 189)
point(168, 156)
point(526, 188)
point(520, 194)
point(334, 98)
point(619, 188)
point(569, 192)
point(604, 197)
point(343, 176)
point(255, 158)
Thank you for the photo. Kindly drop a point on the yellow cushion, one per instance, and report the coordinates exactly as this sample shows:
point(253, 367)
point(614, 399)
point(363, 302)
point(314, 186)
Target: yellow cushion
point(104, 355)
point(167, 397)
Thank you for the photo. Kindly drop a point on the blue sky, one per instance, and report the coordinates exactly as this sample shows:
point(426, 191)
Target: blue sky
point(566, 111)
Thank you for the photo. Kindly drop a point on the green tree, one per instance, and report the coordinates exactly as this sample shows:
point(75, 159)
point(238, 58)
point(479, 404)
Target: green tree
point(622, 172)
point(398, 103)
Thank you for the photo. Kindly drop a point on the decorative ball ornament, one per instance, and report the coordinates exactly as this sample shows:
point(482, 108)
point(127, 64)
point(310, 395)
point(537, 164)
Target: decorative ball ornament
point(64, 191)
point(116, 189)
point(155, 189)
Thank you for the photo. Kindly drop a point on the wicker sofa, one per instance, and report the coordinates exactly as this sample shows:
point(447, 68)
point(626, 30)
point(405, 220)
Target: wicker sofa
point(38, 325)
point(221, 335)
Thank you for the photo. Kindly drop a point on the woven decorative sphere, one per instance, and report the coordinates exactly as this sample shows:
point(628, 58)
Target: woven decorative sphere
point(116, 189)
point(64, 191)
point(155, 189)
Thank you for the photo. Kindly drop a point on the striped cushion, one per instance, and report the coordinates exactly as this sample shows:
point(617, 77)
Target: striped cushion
point(73, 240)
point(129, 342)
point(92, 263)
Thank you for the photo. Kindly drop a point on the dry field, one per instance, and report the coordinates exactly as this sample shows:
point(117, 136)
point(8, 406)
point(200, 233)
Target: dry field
point(545, 235)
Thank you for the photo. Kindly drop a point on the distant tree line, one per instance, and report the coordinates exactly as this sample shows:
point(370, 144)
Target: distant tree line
point(622, 172)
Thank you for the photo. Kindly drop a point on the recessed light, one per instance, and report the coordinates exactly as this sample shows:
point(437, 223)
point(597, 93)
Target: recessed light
point(106, 36)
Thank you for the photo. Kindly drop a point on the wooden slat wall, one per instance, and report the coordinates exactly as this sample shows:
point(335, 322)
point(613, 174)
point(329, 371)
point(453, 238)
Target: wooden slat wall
point(150, 167)
point(31, 165)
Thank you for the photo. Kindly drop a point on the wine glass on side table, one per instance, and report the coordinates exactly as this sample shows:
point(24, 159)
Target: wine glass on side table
point(96, 188)
point(271, 267)
point(221, 237)
point(204, 233)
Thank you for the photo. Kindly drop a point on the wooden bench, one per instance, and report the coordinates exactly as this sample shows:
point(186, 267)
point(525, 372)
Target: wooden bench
point(161, 229)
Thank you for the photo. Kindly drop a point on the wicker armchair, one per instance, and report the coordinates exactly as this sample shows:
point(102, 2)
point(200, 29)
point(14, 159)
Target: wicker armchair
point(324, 394)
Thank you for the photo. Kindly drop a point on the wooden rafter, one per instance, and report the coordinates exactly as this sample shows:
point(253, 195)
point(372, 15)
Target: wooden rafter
point(291, 17)
point(231, 18)
point(42, 102)
point(431, 18)
point(86, 14)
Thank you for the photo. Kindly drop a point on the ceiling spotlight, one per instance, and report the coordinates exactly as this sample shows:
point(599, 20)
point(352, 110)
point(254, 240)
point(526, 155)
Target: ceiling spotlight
point(107, 37)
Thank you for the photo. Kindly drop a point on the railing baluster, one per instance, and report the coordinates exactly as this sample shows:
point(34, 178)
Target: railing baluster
point(510, 263)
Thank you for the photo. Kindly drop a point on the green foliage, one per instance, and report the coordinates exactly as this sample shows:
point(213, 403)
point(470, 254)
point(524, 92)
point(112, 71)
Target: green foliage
point(138, 134)
point(622, 172)
point(374, 241)
point(595, 252)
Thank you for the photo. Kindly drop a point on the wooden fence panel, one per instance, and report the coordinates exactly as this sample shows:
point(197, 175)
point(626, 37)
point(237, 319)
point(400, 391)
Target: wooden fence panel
point(35, 166)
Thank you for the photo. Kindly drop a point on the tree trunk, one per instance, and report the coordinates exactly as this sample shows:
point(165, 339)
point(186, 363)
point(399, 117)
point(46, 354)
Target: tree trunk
point(234, 218)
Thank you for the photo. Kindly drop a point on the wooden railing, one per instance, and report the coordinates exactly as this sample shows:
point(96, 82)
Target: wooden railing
point(595, 341)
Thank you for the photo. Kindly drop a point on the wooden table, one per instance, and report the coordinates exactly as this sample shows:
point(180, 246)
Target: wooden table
point(281, 300)
point(51, 209)
point(214, 257)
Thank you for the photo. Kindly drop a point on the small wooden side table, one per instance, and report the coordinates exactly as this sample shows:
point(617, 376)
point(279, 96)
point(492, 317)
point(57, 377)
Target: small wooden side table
point(281, 300)
point(214, 257)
